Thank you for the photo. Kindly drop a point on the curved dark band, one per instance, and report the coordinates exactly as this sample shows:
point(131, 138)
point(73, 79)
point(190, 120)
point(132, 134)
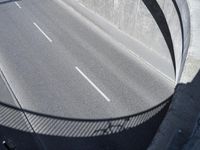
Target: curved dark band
point(160, 19)
point(181, 23)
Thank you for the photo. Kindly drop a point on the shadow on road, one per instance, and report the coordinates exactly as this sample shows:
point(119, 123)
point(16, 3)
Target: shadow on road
point(53, 132)
point(8, 1)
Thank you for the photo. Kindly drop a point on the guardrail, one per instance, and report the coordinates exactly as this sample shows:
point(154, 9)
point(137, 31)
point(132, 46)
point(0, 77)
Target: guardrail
point(67, 127)
point(183, 12)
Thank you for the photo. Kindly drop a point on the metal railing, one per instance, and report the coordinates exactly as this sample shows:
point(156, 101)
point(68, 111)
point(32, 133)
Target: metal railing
point(13, 117)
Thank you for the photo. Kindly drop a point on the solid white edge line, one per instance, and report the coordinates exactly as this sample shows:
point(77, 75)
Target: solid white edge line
point(47, 37)
point(149, 65)
point(92, 84)
point(18, 5)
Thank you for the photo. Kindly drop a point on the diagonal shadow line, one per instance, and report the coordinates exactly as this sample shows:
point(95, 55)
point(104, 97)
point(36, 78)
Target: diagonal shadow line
point(8, 1)
point(158, 15)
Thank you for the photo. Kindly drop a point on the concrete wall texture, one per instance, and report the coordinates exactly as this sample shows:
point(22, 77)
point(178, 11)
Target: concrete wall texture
point(173, 21)
point(184, 110)
point(133, 18)
point(192, 37)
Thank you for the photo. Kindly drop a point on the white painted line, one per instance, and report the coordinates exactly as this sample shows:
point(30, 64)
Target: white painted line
point(48, 38)
point(146, 63)
point(92, 84)
point(18, 5)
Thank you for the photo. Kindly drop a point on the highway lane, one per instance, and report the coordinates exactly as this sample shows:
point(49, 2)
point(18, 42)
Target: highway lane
point(31, 64)
point(59, 64)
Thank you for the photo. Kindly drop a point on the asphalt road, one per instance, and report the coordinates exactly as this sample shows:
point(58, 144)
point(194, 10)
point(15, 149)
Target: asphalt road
point(58, 63)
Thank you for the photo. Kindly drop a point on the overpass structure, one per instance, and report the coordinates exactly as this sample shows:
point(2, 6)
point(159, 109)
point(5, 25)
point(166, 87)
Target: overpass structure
point(91, 74)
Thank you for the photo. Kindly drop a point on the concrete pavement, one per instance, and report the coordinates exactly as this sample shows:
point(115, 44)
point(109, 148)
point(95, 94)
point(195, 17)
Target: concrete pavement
point(58, 63)
point(41, 46)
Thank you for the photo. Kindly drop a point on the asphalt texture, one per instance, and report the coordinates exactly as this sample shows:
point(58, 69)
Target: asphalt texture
point(57, 63)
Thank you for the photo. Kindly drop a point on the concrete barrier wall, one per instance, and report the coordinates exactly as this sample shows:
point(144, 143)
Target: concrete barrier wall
point(192, 37)
point(186, 33)
point(184, 109)
point(185, 17)
point(173, 21)
point(178, 17)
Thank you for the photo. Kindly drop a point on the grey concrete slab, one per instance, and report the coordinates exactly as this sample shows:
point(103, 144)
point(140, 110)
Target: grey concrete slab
point(43, 76)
